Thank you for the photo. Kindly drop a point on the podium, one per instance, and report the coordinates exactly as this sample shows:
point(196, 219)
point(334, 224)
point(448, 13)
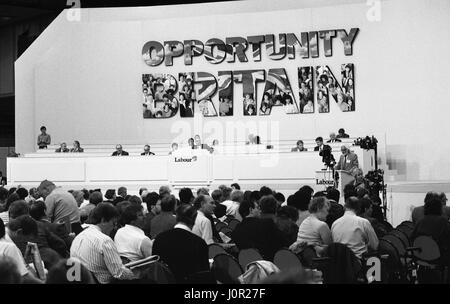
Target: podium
point(190, 168)
point(344, 178)
point(325, 178)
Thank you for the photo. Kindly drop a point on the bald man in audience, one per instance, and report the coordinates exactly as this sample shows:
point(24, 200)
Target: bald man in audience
point(203, 227)
point(60, 204)
point(333, 139)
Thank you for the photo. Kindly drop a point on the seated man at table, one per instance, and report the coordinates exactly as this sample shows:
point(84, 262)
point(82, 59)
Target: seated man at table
point(299, 147)
point(342, 134)
point(184, 252)
point(147, 151)
point(63, 148)
point(333, 138)
point(97, 251)
point(119, 151)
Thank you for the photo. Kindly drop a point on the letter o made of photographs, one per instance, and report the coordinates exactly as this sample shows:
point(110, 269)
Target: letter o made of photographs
point(153, 53)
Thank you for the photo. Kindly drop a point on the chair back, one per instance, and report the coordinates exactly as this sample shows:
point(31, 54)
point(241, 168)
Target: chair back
point(402, 236)
point(307, 256)
point(429, 249)
point(397, 243)
point(233, 223)
point(159, 273)
point(387, 247)
point(246, 256)
point(287, 260)
point(406, 229)
point(215, 249)
point(226, 269)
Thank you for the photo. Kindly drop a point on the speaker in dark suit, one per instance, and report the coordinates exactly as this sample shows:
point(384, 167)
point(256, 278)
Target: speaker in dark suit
point(184, 252)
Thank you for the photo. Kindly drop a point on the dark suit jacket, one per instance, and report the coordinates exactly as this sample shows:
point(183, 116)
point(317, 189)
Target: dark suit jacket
point(316, 148)
point(335, 141)
point(80, 150)
point(149, 153)
point(184, 252)
point(352, 162)
point(438, 228)
point(124, 153)
point(261, 234)
point(343, 136)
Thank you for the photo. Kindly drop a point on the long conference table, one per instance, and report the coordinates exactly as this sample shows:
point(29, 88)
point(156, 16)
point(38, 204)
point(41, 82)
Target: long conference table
point(184, 168)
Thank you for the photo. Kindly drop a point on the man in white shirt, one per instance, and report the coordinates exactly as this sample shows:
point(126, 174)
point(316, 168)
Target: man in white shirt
point(354, 231)
point(97, 251)
point(131, 241)
point(203, 227)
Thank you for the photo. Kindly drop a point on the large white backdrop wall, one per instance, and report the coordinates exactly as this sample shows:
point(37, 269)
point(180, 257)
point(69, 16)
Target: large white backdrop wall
point(82, 78)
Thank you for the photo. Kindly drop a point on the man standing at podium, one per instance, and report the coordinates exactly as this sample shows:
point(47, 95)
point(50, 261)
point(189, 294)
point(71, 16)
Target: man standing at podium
point(348, 160)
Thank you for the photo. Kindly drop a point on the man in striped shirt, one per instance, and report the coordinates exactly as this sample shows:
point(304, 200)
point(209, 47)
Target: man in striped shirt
point(97, 251)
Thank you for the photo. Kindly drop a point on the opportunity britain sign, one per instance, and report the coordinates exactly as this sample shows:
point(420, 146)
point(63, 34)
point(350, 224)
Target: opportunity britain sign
point(191, 93)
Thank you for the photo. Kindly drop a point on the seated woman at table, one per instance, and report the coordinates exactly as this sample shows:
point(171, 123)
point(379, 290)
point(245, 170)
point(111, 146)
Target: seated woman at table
point(76, 147)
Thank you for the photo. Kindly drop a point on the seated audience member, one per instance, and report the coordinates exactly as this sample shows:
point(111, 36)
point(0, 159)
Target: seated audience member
point(348, 161)
point(60, 204)
point(184, 252)
point(164, 191)
point(301, 201)
point(186, 196)
point(280, 198)
point(13, 255)
point(135, 200)
point(44, 139)
point(313, 230)
point(237, 197)
point(166, 219)
point(38, 213)
point(336, 210)
point(286, 219)
point(255, 196)
point(62, 148)
point(366, 210)
point(299, 147)
point(11, 199)
point(147, 151)
point(226, 199)
point(354, 231)
point(97, 251)
point(119, 151)
point(174, 147)
point(349, 190)
point(202, 191)
point(235, 186)
point(76, 147)
point(436, 226)
point(110, 196)
point(61, 273)
point(131, 241)
point(203, 226)
point(121, 194)
point(150, 200)
point(258, 233)
point(419, 212)
point(34, 195)
point(94, 199)
point(22, 193)
point(24, 229)
point(217, 196)
point(342, 134)
point(78, 195)
point(264, 190)
point(143, 192)
point(333, 138)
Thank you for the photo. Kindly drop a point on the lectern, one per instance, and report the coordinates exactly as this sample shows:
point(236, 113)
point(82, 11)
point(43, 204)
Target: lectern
point(343, 178)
